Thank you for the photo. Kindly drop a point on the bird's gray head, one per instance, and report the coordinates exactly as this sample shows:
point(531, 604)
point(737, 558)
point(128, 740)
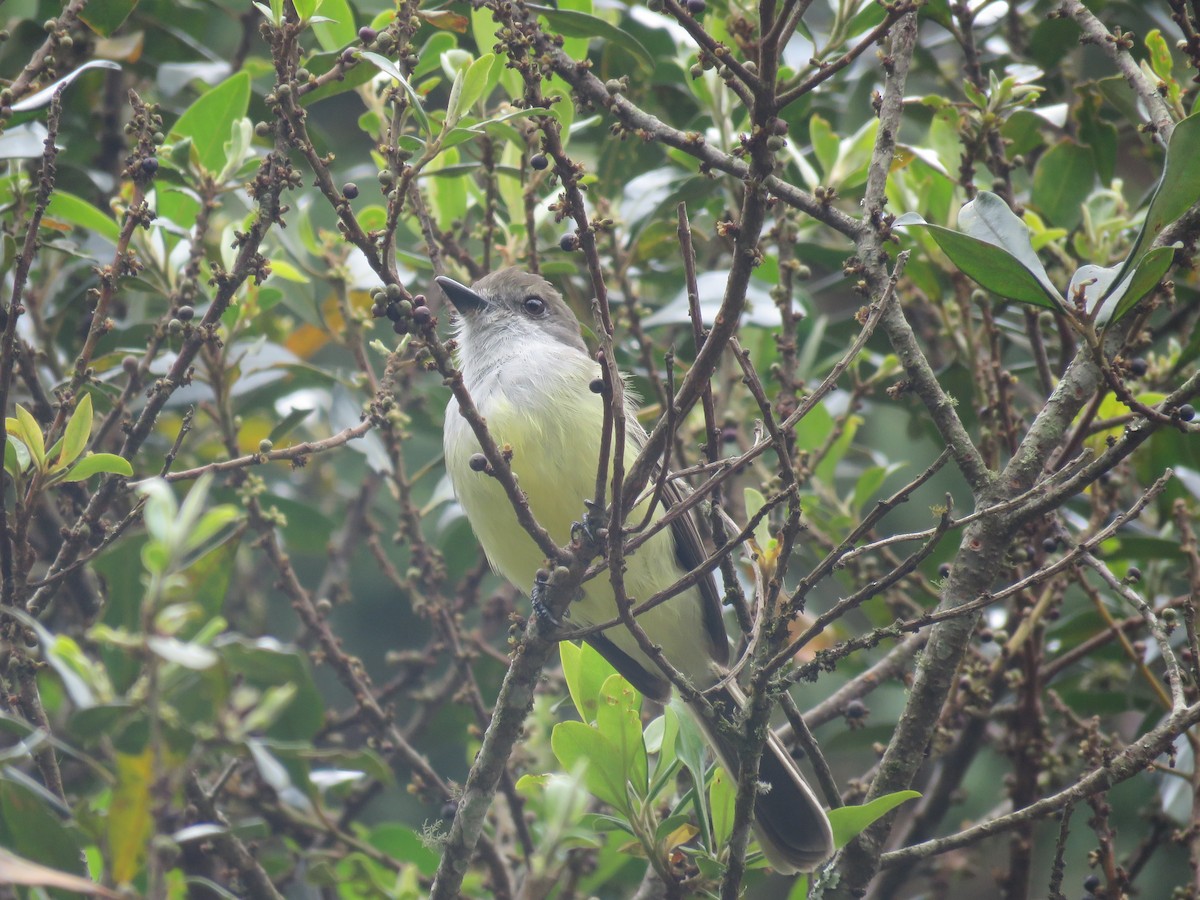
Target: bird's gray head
point(510, 307)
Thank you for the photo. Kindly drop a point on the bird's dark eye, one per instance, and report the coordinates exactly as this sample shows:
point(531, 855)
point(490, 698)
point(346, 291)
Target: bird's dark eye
point(535, 306)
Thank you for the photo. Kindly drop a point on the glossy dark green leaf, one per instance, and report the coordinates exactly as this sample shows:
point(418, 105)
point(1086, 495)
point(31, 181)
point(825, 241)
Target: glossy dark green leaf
point(571, 23)
point(1145, 278)
point(1177, 190)
point(1062, 181)
point(992, 267)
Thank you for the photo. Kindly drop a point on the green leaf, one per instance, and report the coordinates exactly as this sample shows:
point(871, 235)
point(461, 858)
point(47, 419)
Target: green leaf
point(850, 821)
point(66, 207)
point(691, 747)
point(660, 737)
point(1062, 181)
point(338, 31)
point(306, 9)
point(1177, 190)
point(387, 67)
point(1160, 54)
point(79, 429)
point(585, 671)
point(35, 826)
point(31, 434)
point(722, 797)
point(755, 501)
point(1144, 278)
point(475, 80)
point(571, 23)
point(618, 718)
point(841, 446)
point(825, 144)
point(95, 463)
point(988, 218)
point(265, 663)
point(577, 745)
point(291, 420)
point(320, 63)
point(870, 481)
point(16, 456)
point(106, 16)
point(209, 120)
point(995, 269)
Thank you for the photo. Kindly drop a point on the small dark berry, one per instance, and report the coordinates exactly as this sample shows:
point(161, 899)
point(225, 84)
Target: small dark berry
point(944, 570)
point(1049, 545)
point(986, 636)
point(419, 300)
point(596, 386)
point(367, 35)
point(478, 462)
point(130, 364)
point(379, 310)
point(779, 126)
point(539, 161)
point(422, 315)
point(1133, 574)
point(1187, 412)
point(400, 327)
point(186, 313)
point(696, 7)
point(392, 311)
point(350, 190)
point(1138, 367)
point(347, 56)
point(729, 434)
point(1091, 882)
point(568, 242)
point(856, 709)
point(149, 165)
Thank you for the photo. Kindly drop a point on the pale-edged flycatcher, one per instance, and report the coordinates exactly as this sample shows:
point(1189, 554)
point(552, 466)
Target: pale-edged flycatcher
point(530, 375)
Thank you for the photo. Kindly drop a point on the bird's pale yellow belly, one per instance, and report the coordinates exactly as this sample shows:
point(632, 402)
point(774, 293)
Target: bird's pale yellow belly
point(554, 458)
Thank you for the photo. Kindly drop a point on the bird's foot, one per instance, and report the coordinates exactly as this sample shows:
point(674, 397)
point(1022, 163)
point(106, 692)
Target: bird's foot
point(591, 527)
point(541, 582)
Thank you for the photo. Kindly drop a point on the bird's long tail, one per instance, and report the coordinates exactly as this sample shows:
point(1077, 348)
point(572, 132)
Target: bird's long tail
point(789, 820)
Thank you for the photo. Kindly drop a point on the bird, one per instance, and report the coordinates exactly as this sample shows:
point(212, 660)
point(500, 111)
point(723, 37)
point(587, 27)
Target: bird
point(529, 373)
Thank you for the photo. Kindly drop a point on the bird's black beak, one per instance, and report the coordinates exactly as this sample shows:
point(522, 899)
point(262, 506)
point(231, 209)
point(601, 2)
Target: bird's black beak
point(464, 299)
